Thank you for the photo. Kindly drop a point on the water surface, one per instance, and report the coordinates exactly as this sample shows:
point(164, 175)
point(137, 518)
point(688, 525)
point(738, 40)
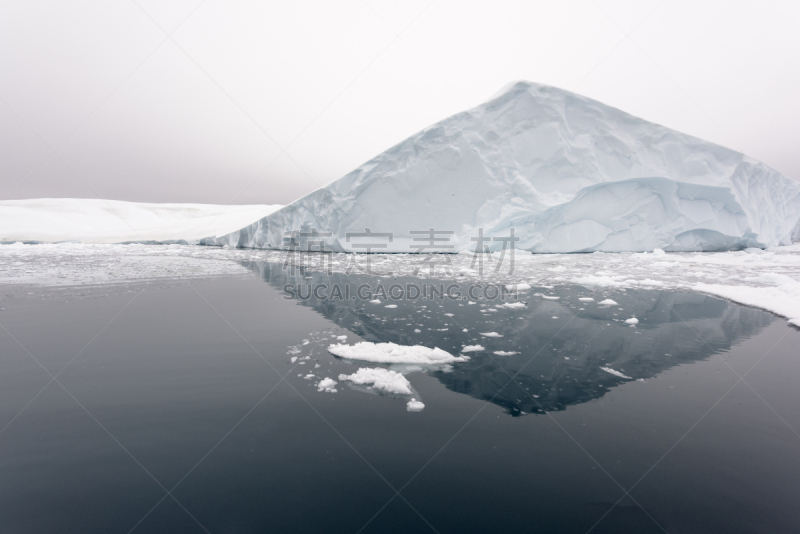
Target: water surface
point(178, 388)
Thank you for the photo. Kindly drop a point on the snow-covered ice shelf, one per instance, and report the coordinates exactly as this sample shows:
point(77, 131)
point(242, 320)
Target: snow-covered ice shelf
point(51, 220)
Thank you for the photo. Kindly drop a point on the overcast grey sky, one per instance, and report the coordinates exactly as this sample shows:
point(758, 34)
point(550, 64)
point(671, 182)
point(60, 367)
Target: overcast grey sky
point(262, 102)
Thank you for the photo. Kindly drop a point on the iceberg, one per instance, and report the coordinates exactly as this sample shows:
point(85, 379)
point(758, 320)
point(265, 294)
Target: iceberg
point(564, 172)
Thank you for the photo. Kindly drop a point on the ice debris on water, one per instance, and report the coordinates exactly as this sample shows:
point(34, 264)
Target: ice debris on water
point(327, 385)
point(380, 379)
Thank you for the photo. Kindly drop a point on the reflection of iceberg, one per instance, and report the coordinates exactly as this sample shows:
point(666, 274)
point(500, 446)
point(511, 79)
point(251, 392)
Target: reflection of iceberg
point(568, 173)
point(553, 369)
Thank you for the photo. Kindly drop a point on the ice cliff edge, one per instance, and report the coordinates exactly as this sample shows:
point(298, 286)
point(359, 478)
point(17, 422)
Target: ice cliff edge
point(567, 173)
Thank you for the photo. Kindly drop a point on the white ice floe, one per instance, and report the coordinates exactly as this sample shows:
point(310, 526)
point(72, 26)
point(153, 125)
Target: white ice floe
point(505, 353)
point(632, 321)
point(550, 297)
point(491, 334)
point(608, 302)
point(414, 406)
point(615, 373)
point(586, 299)
point(393, 353)
point(582, 177)
point(380, 379)
point(51, 220)
point(391, 306)
point(512, 305)
point(327, 384)
point(473, 348)
point(521, 286)
point(783, 299)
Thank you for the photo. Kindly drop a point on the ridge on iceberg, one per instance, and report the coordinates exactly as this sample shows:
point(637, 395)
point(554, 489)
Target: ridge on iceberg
point(567, 173)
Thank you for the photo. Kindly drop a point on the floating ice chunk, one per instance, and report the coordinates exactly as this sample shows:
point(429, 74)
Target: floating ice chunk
point(393, 353)
point(658, 251)
point(293, 359)
point(550, 297)
point(594, 280)
point(375, 301)
point(517, 287)
point(491, 334)
point(632, 321)
point(505, 353)
point(341, 338)
point(390, 306)
point(380, 379)
point(586, 299)
point(473, 348)
point(414, 406)
point(608, 302)
point(327, 384)
point(615, 373)
point(512, 305)
point(417, 330)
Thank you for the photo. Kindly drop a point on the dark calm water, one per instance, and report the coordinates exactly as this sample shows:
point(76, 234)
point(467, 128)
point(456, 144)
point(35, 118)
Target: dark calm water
point(168, 413)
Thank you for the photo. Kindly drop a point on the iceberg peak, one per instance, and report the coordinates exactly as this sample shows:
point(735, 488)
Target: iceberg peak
point(565, 172)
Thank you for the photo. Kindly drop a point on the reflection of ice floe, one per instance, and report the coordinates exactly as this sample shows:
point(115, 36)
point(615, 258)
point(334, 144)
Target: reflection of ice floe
point(393, 353)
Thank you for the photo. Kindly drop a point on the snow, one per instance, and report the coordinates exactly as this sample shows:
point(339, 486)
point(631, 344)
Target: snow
point(568, 173)
point(380, 379)
point(327, 385)
point(414, 406)
point(615, 373)
point(393, 353)
point(50, 220)
point(473, 348)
